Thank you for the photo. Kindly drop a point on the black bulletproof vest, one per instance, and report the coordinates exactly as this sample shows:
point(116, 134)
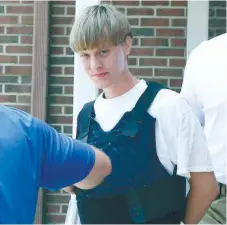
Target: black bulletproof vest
point(139, 189)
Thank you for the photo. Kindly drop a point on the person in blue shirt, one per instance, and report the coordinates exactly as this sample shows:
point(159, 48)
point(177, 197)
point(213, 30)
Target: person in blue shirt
point(34, 155)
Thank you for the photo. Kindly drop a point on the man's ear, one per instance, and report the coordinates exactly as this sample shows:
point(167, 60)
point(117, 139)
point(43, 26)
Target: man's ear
point(128, 45)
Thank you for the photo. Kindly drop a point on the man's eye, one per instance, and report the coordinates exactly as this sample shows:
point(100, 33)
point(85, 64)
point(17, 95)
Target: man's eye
point(83, 55)
point(103, 52)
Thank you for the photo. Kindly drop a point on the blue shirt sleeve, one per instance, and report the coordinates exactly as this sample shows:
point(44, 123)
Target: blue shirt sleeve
point(65, 161)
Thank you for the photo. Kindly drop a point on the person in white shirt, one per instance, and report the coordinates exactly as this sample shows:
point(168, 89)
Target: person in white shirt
point(205, 88)
point(150, 133)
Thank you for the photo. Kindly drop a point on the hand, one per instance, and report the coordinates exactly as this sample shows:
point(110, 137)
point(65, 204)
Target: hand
point(70, 189)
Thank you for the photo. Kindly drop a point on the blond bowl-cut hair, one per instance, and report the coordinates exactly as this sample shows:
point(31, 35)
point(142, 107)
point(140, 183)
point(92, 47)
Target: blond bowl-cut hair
point(99, 26)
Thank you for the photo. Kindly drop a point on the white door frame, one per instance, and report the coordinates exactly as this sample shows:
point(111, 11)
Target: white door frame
point(197, 23)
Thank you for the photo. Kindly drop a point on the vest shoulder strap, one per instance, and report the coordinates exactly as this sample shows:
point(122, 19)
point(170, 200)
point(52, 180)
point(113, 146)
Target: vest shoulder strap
point(83, 121)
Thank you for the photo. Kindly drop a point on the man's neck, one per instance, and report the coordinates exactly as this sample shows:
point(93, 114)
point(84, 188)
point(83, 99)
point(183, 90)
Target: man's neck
point(121, 87)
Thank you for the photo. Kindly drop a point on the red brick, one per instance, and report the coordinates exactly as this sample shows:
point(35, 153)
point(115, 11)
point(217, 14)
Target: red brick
point(57, 10)
point(58, 219)
point(8, 19)
point(142, 52)
point(182, 3)
point(154, 3)
point(154, 22)
point(64, 208)
point(60, 40)
point(62, 20)
point(55, 70)
point(25, 60)
point(179, 22)
point(176, 82)
point(27, 2)
point(178, 42)
point(9, 2)
point(154, 42)
point(19, 30)
point(170, 32)
point(1, 30)
point(52, 110)
point(68, 110)
point(55, 90)
point(8, 59)
point(57, 30)
point(68, 89)
point(60, 80)
point(26, 40)
point(57, 50)
point(140, 11)
point(19, 70)
point(142, 71)
point(70, 11)
point(168, 72)
point(126, 3)
point(60, 119)
point(3, 98)
point(133, 21)
point(27, 20)
point(177, 62)
point(66, 2)
point(132, 61)
point(169, 52)
point(9, 88)
point(24, 99)
point(19, 49)
point(61, 100)
point(53, 208)
point(19, 9)
point(135, 41)
point(9, 98)
point(170, 12)
point(69, 70)
point(153, 62)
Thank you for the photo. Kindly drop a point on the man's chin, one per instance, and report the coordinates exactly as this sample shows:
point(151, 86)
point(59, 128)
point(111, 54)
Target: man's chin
point(101, 85)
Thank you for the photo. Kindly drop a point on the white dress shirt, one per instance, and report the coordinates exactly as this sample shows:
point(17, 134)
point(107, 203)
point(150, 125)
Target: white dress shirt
point(180, 138)
point(205, 88)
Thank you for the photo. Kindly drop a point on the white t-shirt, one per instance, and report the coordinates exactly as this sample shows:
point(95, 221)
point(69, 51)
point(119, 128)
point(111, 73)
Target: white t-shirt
point(205, 88)
point(180, 138)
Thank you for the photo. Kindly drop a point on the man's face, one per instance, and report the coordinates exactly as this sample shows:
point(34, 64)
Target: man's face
point(105, 66)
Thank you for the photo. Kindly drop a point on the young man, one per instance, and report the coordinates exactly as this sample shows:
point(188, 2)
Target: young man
point(148, 131)
point(33, 155)
point(204, 87)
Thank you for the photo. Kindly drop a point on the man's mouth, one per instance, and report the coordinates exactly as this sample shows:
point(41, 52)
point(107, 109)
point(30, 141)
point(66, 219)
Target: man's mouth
point(100, 75)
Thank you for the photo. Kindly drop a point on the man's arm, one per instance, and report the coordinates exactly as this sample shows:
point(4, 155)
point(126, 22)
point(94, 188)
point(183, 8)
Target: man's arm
point(66, 161)
point(203, 191)
point(189, 90)
point(187, 148)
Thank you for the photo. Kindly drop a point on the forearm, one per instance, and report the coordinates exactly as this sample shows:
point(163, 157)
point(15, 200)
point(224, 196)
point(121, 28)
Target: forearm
point(202, 193)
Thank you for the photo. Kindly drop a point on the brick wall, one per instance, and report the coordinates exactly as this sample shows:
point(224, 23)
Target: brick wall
point(217, 18)
point(159, 29)
point(158, 53)
point(60, 92)
point(16, 19)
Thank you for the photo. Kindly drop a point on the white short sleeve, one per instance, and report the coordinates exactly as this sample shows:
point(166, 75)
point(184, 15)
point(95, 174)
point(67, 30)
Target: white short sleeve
point(179, 135)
